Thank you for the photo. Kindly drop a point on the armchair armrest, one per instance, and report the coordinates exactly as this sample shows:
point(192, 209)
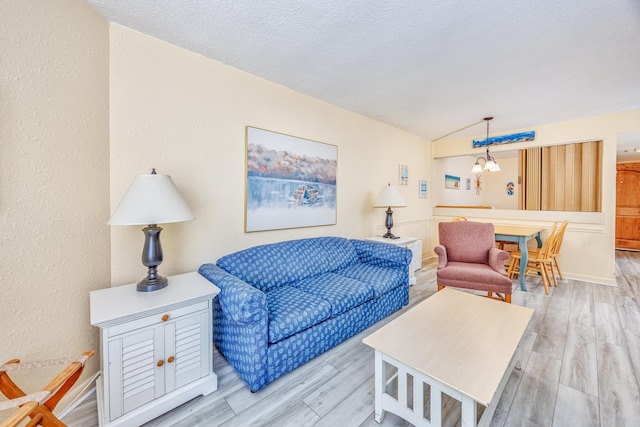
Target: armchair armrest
point(497, 257)
point(441, 251)
point(382, 254)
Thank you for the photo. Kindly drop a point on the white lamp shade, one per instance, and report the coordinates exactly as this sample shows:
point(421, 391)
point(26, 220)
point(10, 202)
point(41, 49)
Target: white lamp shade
point(151, 199)
point(389, 197)
point(490, 164)
point(477, 168)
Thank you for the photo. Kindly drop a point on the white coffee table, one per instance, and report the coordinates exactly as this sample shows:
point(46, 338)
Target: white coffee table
point(460, 344)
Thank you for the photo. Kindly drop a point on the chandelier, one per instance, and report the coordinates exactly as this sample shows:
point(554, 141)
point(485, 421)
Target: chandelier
point(490, 164)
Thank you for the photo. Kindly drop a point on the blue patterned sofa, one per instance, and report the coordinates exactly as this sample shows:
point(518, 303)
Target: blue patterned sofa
point(282, 304)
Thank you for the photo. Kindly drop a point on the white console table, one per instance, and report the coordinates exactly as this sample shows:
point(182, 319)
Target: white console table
point(155, 348)
point(412, 243)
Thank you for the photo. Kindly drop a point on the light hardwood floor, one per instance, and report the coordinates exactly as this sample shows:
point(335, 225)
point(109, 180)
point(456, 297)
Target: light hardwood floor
point(580, 367)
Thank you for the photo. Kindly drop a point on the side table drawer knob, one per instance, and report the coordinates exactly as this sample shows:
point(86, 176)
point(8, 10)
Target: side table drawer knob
point(160, 363)
point(165, 317)
point(171, 359)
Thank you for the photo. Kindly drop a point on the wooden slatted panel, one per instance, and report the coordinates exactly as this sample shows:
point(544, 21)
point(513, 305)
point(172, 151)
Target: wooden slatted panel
point(591, 190)
point(548, 177)
point(522, 183)
point(568, 176)
point(533, 178)
point(572, 188)
point(586, 185)
point(598, 177)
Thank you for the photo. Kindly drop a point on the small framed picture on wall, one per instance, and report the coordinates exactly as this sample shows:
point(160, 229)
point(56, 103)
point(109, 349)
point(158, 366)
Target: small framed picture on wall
point(404, 175)
point(423, 189)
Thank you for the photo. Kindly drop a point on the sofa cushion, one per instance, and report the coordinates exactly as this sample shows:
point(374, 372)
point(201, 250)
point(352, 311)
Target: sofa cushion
point(269, 266)
point(381, 279)
point(292, 310)
point(343, 293)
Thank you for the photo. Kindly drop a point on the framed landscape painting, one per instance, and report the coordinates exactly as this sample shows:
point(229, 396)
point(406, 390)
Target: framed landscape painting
point(290, 182)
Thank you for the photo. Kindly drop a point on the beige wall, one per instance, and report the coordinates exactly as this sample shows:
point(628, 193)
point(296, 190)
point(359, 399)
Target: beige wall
point(493, 188)
point(185, 115)
point(54, 178)
point(588, 249)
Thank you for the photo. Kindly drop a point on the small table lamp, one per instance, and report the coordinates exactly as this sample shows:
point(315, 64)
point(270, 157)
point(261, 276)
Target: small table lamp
point(389, 197)
point(151, 200)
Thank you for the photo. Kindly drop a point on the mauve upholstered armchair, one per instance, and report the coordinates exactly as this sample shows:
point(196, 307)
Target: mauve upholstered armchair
point(468, 258)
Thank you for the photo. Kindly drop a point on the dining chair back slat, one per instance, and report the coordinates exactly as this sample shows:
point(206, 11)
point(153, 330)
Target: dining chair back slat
point(538, 261)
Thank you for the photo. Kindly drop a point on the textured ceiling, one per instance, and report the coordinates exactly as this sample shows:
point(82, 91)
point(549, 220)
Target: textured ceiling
point(429, 67)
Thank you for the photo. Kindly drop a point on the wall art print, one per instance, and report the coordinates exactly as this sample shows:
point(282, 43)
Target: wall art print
point(505, 139)
point(452, 182)
point(423, 189)
point(478, 183)
point(290, 182)
point(403, 175)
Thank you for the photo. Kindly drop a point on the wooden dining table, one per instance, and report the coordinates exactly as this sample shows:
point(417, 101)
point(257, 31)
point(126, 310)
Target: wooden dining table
point(520, 235)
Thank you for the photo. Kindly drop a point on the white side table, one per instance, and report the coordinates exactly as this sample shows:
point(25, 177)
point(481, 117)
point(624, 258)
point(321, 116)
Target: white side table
point(412, 243)
point(155, 348)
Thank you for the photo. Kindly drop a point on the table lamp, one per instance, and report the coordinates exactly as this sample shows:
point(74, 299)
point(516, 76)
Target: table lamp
point(151, 200)
point(389, 197)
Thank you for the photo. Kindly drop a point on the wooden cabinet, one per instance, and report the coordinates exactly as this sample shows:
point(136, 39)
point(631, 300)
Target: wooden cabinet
point(156, 349)
point(412, 243)
point(628, 206)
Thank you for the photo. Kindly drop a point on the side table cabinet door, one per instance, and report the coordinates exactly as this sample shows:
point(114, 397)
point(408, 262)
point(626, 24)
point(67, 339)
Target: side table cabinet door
point(133, 375)
point(186, 349)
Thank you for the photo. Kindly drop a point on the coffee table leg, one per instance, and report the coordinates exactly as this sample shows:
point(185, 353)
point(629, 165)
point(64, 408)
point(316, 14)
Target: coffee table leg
point(469, 412)
point(380, 380)
point(518, 365)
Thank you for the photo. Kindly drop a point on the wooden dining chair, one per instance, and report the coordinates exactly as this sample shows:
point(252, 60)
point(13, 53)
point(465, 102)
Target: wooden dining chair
point(555, 250)
point(539, 264)
point(501, 244)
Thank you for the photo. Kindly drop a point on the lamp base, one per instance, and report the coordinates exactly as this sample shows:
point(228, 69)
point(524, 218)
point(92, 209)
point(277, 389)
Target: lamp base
point(152, 284)
point(389, 225)
point(152, 258)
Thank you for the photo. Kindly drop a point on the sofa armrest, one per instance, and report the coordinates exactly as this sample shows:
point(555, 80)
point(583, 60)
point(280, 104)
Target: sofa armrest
point(441, 251)
point(497, 257)
point(240, 325)
point(238, 299)
point(382, 254)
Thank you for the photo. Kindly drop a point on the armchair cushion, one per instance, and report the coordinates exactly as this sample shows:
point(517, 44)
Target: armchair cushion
point(473, 276)
point(467, 241)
